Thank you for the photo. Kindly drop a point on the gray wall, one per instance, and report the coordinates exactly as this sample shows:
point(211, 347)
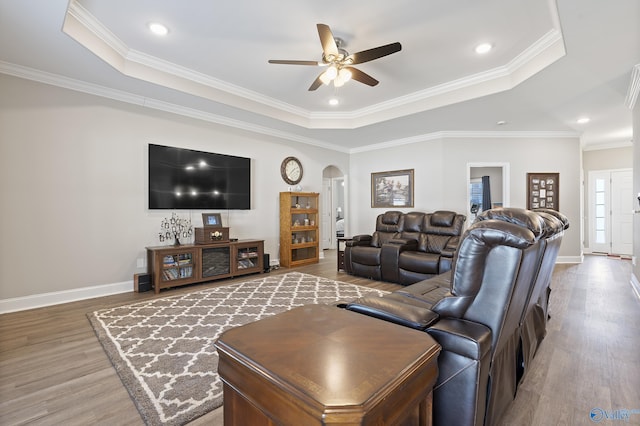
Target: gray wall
point(607, 159)
point(441, 176)
point(73, 172)
point(73, 178)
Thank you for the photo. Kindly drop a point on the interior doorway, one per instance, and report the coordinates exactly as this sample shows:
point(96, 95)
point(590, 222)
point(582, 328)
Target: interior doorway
point(333, 207)
point(497, 177)
point(610, 205)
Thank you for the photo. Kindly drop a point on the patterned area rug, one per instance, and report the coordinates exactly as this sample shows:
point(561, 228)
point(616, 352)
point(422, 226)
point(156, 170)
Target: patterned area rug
point(163, 348)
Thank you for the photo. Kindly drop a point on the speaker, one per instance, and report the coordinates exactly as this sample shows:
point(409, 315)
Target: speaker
point(141, 282)
point(266, 262)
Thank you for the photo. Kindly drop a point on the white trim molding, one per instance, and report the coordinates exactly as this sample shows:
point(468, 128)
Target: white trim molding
point(89, 32)
point(635, 285)
point(121, 96)
point(634, 88)
point(570, 259)
point(57, 297)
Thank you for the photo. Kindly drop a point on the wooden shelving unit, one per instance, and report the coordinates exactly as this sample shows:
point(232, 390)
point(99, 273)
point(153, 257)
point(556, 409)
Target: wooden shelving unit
point(174, 266)
point(299, 236)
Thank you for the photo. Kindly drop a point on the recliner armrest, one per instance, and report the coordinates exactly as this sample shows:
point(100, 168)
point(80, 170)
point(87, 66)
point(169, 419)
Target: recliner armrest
point(466, 338)
point(447, 253)
point(451, 247)
point(405, 243)
point(394, 311)
point(359, 240)
point(390, 256)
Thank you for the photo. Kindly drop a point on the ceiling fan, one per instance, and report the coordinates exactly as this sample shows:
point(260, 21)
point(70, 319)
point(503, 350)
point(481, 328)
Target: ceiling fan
point(339, 61)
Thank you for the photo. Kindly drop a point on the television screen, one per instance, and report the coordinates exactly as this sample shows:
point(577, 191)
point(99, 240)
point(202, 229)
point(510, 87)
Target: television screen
point(186, 179)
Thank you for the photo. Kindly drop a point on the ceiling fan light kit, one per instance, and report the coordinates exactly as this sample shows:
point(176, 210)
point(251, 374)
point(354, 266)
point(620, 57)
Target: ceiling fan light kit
point(158, 29)
point(483, 48)
point(339, 61)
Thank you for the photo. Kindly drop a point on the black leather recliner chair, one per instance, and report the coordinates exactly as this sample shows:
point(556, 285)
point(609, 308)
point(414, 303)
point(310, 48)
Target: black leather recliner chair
point(363, 254)
point(477, 318)
point(534, 321)
point(405, 247)
point(424, 248)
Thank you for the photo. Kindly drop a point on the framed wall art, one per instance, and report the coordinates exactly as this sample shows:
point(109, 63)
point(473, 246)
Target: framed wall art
point(543, 190)
point(392, 189)
point(212, 220)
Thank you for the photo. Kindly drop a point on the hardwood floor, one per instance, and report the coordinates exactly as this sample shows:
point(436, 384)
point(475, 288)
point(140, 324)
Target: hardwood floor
point(53, 370)
point(590, 358)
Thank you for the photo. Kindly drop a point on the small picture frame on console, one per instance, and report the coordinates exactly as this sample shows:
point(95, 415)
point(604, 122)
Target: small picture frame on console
point(543, 190)
point(212, 220)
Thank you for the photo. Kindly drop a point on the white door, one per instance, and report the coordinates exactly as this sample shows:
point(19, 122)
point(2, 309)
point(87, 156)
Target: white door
point(621, 212)
point(610, 206)
point(326, 217)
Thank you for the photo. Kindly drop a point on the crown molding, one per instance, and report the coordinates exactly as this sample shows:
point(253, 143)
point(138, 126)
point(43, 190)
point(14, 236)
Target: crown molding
point(634, 88)
point(82, 26)
point(121, 96)
point(608, 145)
point(97, 29)
point(545, 51)
point(462, 134)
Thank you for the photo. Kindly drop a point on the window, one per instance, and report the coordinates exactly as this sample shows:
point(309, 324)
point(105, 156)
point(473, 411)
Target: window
point(475, 192)
point(600, 211)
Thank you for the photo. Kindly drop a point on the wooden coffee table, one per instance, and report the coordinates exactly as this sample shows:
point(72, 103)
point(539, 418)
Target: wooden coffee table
point(319, 364)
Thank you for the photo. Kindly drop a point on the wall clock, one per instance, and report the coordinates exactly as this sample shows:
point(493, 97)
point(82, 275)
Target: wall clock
point(291, 170)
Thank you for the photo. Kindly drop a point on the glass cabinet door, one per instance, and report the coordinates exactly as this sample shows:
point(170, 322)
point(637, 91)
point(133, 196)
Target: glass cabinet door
point(248, 257)
point(177, 266)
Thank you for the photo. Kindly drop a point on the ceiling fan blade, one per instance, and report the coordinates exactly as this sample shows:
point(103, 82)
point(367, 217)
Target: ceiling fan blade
point(317, 83)
point(362, 77)
point(329, 46)
point(375, 53)
point(287, 62)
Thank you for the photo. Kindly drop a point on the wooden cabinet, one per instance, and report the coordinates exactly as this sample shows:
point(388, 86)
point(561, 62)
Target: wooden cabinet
point(321, 370)
point(248, 258)
point(341, 243)
point(174, 266)
point(299, 221)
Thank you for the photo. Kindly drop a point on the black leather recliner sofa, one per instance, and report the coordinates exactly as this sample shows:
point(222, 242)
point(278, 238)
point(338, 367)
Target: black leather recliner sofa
point(405, 247)
point(485, 312)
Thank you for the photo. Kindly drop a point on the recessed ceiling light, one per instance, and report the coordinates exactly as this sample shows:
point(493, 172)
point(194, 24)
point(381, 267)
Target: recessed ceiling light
point(158, 29)
point(483, 48)
point(334, 101)
point(501, 123)
point(583, 120)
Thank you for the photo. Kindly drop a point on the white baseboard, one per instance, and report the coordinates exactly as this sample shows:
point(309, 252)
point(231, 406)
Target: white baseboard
point(570, 259)
point(635, 285)
point(54, 298)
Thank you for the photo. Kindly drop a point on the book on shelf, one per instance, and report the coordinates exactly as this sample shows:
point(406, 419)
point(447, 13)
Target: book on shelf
point(168, 260)
point(247, 253)
point(186, 272)
point(246, 264)
point(177, 273)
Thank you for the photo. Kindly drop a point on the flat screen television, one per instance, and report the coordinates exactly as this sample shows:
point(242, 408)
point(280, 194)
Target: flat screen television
point(186, 179)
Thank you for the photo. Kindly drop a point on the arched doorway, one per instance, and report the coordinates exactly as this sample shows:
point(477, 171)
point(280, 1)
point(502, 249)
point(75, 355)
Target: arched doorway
point(333, 207)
